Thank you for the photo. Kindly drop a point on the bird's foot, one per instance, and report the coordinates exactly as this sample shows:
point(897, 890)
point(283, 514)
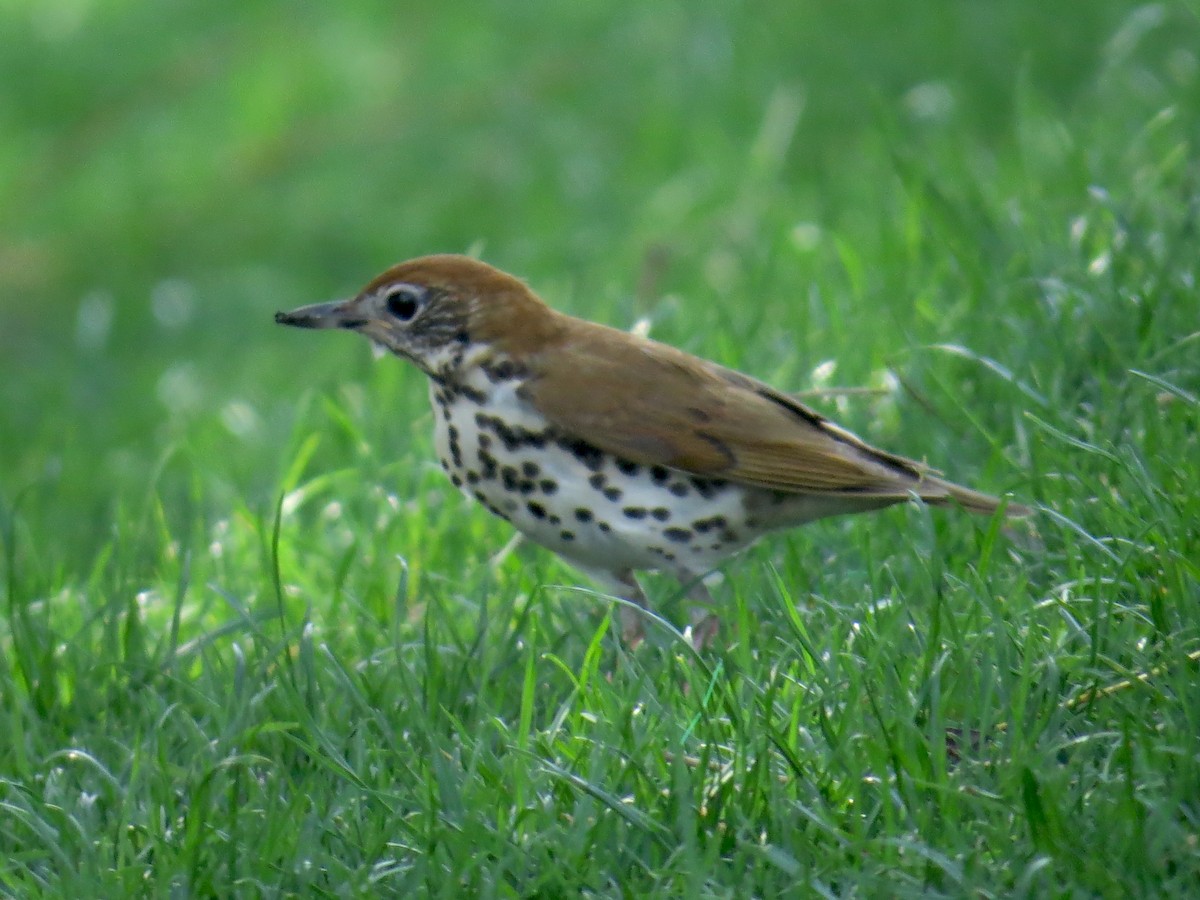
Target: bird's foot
point(703, 631)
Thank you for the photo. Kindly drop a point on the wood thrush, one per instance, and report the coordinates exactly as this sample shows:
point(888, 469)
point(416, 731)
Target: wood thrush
point(616, 452)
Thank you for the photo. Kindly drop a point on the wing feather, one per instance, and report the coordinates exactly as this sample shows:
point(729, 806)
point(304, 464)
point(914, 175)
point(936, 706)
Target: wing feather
point(653, 404)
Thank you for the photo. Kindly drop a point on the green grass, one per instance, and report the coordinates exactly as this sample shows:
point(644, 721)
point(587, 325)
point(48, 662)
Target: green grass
point(252, 643)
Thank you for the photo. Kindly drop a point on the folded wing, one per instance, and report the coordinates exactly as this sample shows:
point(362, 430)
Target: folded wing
point(653, 404)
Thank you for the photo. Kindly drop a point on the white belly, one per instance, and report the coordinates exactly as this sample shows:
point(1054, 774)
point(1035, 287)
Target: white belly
point(597, 511)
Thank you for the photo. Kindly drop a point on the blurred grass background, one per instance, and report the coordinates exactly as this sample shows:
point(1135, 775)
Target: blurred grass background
point(773, 185)
point(174, 172)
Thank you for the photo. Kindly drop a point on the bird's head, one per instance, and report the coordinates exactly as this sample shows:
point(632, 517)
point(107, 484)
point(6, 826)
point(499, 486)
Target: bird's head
point(428, 309)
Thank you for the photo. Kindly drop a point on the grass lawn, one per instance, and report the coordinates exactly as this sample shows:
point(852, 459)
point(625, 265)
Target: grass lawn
point(252, 643)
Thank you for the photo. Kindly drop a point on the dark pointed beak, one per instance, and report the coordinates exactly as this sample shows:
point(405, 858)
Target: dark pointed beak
point(334, 314)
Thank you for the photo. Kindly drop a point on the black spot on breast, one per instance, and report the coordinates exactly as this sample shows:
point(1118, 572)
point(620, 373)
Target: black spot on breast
point(583, 515)
point(707, 487)
point(678, 535)
point(567, 535)
point(527, 487)
point(627, 467)
point(530, 469)
point(705, 525)
point(555, 520)
point(509, 437)
point(548, 486)
point(512, 437)
point(612, 493)
point(659, 474)
point(661, 513)
point(502, 370)
point(591, 456)
point(536, 510)
point(634, 512)
point(508, 475)
point(484, 442)
point(456, 481)
point(604, 527)
point(472, 478)
point(679, 489)
point(597, 481)
point(488, 466)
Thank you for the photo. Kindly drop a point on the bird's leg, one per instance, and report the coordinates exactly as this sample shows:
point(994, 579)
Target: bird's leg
point(704, 622)
point(623, 586)
point(633, 624)
point(703, 619)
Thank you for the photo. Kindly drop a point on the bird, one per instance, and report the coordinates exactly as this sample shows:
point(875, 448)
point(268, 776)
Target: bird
point(616, 452)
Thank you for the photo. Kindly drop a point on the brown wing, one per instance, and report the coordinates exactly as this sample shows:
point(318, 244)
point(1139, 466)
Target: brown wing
point(653, 404)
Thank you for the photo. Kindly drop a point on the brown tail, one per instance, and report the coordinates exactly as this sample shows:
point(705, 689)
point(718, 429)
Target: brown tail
point(937, 492)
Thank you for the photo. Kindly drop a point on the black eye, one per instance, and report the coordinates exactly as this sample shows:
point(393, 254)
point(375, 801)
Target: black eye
point(402, 303)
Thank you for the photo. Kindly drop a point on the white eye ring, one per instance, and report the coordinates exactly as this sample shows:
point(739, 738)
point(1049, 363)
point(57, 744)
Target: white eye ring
point(403, 303)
